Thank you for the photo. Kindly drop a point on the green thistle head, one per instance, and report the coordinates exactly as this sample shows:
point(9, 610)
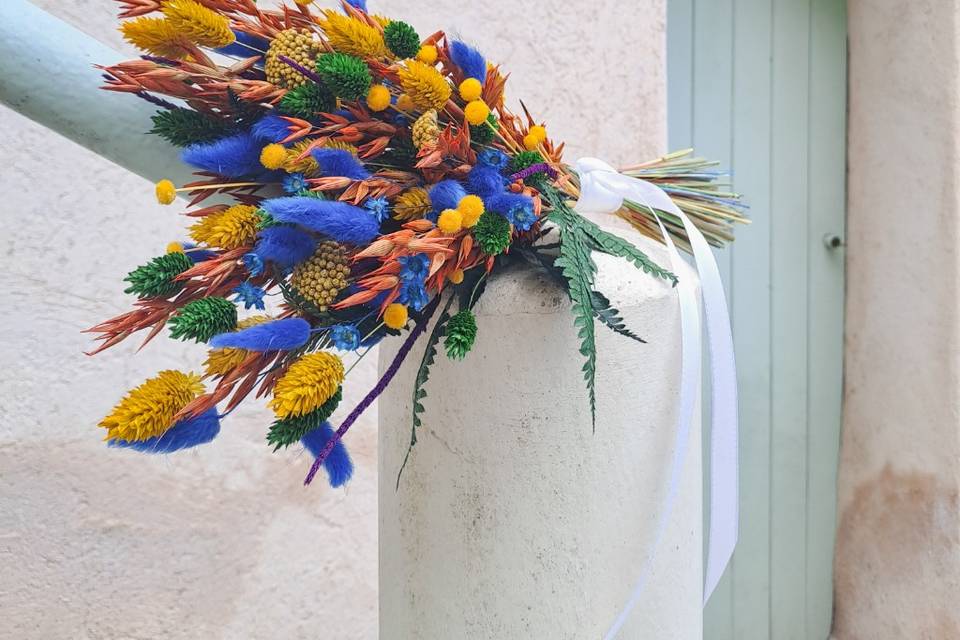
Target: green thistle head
point(347, 76)
point(202, 319)
point(492, 233)
point(485, 133)
point(285, 432)
point(525, 159)
point(461, 333)
point(156, 278)
point(401, 39)
point(183, 127)
point(307, 100)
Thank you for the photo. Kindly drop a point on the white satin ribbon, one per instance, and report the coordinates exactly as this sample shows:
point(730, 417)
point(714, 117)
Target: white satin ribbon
point(603, 190)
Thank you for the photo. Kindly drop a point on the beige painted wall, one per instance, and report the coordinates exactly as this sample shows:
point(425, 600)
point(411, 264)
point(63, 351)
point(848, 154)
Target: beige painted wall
point(222, 542)
point(898, 559)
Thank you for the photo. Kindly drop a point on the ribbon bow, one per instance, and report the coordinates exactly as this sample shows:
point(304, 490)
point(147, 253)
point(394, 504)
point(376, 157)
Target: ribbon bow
point(603, 190)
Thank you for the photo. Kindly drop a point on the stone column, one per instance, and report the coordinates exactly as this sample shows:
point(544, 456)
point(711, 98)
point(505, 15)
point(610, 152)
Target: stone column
point(897, 558)
point(513, 519)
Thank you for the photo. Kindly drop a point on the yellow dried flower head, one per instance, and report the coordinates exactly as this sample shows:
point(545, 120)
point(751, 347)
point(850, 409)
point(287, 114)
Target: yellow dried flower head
point(411, 204)
point(297, 45)
point(273, 156)
point(165, 191)
point(324, 275)
point(426, 129)
point(307, 384)
point(148, 410)
point(307, 165)
point(395, 316)
point(196, 22)
point(227, 229)
point(425, 85)
point(339, 144)
point(155, 35)
point(349, 35)
point(220, 362)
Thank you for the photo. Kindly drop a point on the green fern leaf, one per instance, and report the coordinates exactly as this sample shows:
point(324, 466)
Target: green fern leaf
point(610, 317)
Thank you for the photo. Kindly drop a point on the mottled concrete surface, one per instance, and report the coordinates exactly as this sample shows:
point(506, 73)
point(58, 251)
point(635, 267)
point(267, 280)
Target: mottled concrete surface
point(222, 542)
point(898, 540)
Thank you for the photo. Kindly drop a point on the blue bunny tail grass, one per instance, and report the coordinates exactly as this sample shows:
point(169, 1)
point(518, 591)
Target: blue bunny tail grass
point(470, 61)
point(271, 128)
point(234, 156)
point(358, 4)
point(446, 194)
point(245, 46)
point(183, 435)
point(485, 181)
point(515, 207)
point(195, 253)
point(285, 246)
point(278, 335)
point(340, 221)
point(338, 465)
point(339, 163)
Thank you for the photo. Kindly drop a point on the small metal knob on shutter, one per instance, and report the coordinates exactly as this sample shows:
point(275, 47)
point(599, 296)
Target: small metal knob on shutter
point(832, 241)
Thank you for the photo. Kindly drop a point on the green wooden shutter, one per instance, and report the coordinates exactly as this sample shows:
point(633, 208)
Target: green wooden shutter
point(761, 85)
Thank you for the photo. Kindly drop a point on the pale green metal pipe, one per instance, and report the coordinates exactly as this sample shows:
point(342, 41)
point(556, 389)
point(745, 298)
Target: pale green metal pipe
point(47, 73)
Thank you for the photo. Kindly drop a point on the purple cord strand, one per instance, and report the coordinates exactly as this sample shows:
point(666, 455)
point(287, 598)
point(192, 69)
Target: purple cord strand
point(377, 390)
point(535, 168)
point(300, 68)
point(152, 99)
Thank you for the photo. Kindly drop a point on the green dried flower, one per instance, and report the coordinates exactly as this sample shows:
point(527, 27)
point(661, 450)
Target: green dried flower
point(307, 100)
point(183, 127)
point(156, 278)
point(401, 39)
point(492, 233)
point(461, 333)
point(202, 319)
point(485, 133)
point(285, 432)
point(526, 159)
point(347, 76)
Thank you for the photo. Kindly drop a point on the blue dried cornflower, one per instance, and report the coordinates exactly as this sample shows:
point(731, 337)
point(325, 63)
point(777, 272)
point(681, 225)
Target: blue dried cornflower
point(253, 263)
point(414, 268)
point(413, 293)
point(515, 207)
point(379, 207)
point(294, 183)
point(250, 296)
point(345, 337)
point(493, 158)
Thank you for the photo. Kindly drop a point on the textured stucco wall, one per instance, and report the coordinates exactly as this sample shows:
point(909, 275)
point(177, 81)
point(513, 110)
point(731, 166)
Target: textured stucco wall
point(898, 564)
point(222, 542)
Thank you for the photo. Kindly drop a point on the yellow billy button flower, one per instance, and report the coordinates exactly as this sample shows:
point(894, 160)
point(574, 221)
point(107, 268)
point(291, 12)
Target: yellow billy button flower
point(166, 192)
point(378, 98)
point(405, 103)
point(395, 316)
point(471, 208)
point(476, 112)
point(531, 142)
point(307, 384)
point(470, 89)
point(450, 221)
point(456, 276)
point(427, 54)
point(273, 156)
point(539, 132)
point(175, 247)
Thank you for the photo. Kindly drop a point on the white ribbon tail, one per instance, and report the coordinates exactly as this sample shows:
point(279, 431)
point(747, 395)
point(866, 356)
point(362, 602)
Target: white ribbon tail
point(603, 189)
